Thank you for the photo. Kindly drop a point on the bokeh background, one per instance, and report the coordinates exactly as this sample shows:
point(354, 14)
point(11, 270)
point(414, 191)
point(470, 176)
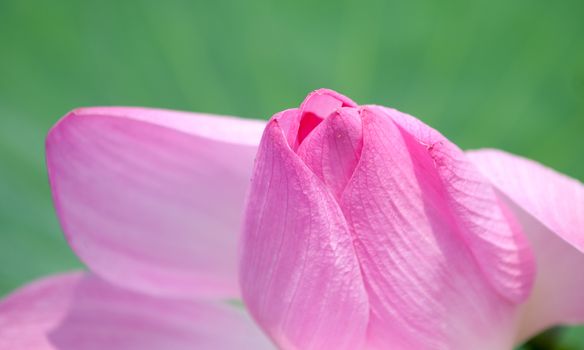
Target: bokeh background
point(491, 73)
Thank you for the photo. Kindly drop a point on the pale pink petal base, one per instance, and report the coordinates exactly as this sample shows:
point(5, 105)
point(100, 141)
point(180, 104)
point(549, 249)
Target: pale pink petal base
point(152, 199)
point(107, 317)
point(82, 312)
point(551, 208)
point(27, 315)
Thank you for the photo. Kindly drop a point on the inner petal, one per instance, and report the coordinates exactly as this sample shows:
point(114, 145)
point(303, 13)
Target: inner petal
point(316, 107)
point(332, 149)
point(308, 122)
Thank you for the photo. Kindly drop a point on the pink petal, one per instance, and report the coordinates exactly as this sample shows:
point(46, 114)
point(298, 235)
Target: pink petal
point(152, 199)
point(27, 315)
point(103, 316)
point(299, 274)
point(439, 273)
point(551, 208)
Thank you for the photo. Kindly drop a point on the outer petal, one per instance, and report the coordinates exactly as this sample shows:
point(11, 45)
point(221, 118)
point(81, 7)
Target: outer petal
point(27, 315)
point(82, 312)
point(485, 223)
point(426, 288)
point(299, 274)
point(151, 199)
point(551, 208)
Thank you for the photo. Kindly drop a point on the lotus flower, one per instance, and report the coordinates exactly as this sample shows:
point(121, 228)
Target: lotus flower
point(363, 228)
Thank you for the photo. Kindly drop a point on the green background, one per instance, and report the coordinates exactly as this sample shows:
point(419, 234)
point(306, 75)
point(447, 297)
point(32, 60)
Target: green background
point(505, 74)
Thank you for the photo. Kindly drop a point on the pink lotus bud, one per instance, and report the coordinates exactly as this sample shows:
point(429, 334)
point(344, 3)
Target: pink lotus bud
point(366, 228)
